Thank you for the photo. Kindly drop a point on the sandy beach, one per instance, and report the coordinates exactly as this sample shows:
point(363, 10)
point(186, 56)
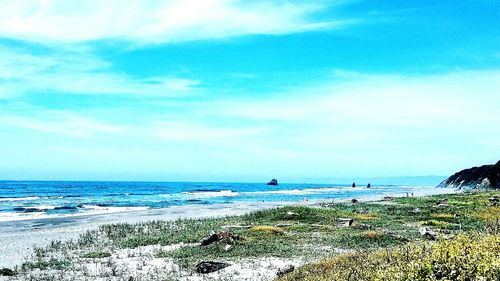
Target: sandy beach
point(21, 236)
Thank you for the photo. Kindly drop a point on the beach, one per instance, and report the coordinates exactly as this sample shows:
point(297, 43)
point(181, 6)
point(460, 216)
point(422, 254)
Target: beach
point(20, 235)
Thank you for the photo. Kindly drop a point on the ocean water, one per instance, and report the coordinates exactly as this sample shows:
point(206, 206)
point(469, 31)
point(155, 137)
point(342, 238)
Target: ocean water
point(36, 200)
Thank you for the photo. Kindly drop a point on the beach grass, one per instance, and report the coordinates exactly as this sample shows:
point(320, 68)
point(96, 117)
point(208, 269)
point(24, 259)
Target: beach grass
point(466, 257)
point(309, 232)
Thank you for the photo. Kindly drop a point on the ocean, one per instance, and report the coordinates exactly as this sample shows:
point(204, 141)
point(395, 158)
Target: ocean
point(39, 200)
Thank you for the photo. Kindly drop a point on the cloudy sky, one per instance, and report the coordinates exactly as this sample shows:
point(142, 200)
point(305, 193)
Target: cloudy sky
point(221, 90)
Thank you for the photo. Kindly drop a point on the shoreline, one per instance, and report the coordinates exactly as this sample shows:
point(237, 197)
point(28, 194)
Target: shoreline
point(21, 236)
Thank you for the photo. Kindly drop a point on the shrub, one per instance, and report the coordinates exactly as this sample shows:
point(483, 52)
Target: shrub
point(467, 257)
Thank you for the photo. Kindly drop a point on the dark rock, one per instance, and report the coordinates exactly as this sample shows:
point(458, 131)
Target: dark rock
point(209, 239)
point(344, 222)
point(487, 176)
point(7, 272)
point(285, 270)
point(210, 266)
point(273, 182)
point(354, 201)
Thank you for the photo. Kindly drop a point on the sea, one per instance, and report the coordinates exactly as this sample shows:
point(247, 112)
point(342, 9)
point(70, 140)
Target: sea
point(41, 200)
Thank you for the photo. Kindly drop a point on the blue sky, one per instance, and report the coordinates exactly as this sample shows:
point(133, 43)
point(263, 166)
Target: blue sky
point(247, 90)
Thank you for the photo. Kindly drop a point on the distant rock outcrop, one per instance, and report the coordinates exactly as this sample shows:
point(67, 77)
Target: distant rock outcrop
point(487, 176)
point(273, 182)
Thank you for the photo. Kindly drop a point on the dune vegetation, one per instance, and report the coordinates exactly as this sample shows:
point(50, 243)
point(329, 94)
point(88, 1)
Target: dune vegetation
point(384, 242)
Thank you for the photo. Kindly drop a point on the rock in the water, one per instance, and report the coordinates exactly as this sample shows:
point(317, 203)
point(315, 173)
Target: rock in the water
point(354, 201)
point(210, 266)
point(273, 182)
point(427, 233)
point(487, 176)
point(284, 270)
point(344, 222)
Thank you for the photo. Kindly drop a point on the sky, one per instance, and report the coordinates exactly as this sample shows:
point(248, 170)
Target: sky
point(221, 90)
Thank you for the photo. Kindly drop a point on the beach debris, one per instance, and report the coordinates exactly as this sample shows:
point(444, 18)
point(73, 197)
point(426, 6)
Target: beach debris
point(354, 200)
point(210, 266)
point(273, 182)
point(427, 233)
point(389, 198)
point(327, 205)
point(291, 214)
point(416, 210)
point(285, 270)
point(343, 222)
point(213, 237)
point(223, 236)
point(7, 272)
point(495, 201)
point(236, 226)
point(283, 225)
point(228, 237)
point(442, 204)
point(227, 247)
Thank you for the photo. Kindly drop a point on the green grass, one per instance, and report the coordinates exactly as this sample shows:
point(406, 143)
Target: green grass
point(96, 255)
point(311, 231)
point(46, 264)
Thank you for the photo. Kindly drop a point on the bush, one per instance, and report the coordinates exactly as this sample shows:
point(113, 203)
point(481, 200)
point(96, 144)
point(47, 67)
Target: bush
point(467, 257)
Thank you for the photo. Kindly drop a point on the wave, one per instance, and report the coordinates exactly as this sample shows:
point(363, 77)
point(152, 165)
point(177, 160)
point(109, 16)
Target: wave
point(34, 209)
point(210, 194)
point(29, 198)
point(107, 208)
point(88, 210)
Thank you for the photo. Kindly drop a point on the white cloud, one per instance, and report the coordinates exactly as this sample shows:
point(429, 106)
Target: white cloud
point(431, 101)
point(66, 124)
point(405, 120)
point(78, 72)
point(154, 21)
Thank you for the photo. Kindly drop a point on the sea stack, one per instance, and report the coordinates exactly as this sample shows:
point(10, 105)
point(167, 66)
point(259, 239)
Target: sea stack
point(486, 176)
point(273, 182)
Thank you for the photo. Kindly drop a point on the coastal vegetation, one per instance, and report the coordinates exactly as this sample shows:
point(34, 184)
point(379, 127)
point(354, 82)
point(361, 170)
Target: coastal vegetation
point(454, 235)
